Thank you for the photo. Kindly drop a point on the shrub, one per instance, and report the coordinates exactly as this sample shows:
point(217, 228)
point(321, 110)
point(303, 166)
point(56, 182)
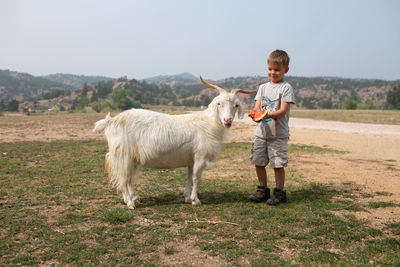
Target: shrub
point(349, 104)
point(106, 106)
point(367, 105)
point(96, 106)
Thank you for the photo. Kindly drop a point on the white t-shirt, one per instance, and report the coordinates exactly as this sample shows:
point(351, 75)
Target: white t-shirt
point(271, 96)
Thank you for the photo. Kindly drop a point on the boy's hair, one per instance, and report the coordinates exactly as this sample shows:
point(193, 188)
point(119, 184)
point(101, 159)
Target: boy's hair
point(279, 57)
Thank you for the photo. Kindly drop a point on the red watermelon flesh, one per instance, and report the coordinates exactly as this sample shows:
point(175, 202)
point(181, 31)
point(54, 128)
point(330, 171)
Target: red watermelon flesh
point(258, 115)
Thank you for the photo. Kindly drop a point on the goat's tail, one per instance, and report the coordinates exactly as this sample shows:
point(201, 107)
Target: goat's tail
point(101, 124)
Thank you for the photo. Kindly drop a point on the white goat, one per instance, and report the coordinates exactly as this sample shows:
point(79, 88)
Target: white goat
point(138, 137)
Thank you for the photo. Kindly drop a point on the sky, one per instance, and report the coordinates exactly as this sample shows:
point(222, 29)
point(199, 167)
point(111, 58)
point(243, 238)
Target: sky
point(213, 38)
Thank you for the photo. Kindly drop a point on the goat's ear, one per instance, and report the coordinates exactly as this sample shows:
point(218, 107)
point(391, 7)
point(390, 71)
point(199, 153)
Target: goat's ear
point(212, 106)
point(240, 111)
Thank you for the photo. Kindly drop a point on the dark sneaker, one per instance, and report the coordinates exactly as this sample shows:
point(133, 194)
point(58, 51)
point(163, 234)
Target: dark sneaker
point(261, 194)
point(278, 197)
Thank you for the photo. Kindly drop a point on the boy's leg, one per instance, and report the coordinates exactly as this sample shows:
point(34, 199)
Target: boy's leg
point(279, 178)
point(263, 192)
point(259, 158)
point(262, 176)
point(279, 194)
point(278, 149)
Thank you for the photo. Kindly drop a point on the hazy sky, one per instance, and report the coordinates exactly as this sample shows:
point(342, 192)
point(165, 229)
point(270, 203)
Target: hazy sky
point(213, 38)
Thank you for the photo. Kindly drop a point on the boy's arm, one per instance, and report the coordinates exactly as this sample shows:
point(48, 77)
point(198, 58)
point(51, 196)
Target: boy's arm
point(257, 105)
point(280, 112)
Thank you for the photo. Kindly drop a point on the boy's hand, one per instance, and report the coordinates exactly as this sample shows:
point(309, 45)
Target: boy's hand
point(252, 114)
point(258, 116)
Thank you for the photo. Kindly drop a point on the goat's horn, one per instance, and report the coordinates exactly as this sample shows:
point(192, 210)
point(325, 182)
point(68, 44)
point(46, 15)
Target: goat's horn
point(235, 91)
point(219, 89)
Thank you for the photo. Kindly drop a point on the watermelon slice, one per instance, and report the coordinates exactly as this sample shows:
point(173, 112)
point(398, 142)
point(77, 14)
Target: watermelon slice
point(258, 116)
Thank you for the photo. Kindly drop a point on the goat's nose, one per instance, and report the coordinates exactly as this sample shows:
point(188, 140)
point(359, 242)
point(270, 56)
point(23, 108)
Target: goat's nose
point(227, 120)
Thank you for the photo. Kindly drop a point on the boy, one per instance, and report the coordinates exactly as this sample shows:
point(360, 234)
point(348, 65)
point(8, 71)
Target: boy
point(272, 133)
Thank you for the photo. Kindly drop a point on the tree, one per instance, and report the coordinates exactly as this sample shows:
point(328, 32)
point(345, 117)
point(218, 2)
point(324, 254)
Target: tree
point(80, 102)
point(3, 105)
point(122, 101)
point(85, 89)
point(393, 98)
point(205, 100)
point(309, 102)
point(191, 103)
point(54, 94)
point(12, 105)
point(103, 89)
point(349, 104)
point(327, 103)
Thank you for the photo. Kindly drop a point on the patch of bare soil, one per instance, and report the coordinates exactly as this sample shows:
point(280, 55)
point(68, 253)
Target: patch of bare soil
point(187, 253)
point(16, 127)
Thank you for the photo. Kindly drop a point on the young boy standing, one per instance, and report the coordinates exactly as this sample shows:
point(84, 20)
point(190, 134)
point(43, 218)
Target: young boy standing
point(272, 133)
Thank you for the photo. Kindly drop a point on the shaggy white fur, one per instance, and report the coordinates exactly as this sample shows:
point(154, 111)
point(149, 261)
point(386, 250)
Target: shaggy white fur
point(140, 137)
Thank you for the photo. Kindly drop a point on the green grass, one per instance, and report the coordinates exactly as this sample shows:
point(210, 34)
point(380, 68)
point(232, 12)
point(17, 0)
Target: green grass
point(381, 204)
point(313, 149)
point(395, 227)
point(57, 206)
point(117, 215)
point(363, 116)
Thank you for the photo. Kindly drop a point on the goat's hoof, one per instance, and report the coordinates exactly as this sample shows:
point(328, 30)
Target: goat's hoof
point(131, 205)
point(188, 200)
point(196, 202)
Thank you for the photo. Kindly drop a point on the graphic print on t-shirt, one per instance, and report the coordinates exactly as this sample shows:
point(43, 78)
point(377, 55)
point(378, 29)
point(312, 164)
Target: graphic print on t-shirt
point(269, 105)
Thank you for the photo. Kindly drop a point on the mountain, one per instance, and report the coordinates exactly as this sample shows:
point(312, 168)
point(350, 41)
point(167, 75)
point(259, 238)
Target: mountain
point(17, 85)
point(75, 81)
point(186, 89)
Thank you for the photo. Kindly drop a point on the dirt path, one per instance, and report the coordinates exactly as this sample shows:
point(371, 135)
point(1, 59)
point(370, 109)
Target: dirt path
point(346, 127)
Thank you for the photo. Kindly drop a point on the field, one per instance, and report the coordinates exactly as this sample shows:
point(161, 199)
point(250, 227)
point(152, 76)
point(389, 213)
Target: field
point(58, 208)
point(364, 116)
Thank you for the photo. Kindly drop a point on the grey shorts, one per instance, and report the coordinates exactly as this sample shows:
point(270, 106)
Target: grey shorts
point(273, 151)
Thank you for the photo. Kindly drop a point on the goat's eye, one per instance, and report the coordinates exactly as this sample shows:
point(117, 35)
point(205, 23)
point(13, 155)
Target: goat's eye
point(237, 105)
point(218, 104)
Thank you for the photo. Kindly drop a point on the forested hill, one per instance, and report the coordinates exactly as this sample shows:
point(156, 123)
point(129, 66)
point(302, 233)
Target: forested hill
point(17, 85)
point(24, 86)
point(75, 81)
point(183, 89)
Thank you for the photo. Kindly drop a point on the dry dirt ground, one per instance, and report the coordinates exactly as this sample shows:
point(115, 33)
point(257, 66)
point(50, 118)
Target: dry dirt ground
point(372, 161)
